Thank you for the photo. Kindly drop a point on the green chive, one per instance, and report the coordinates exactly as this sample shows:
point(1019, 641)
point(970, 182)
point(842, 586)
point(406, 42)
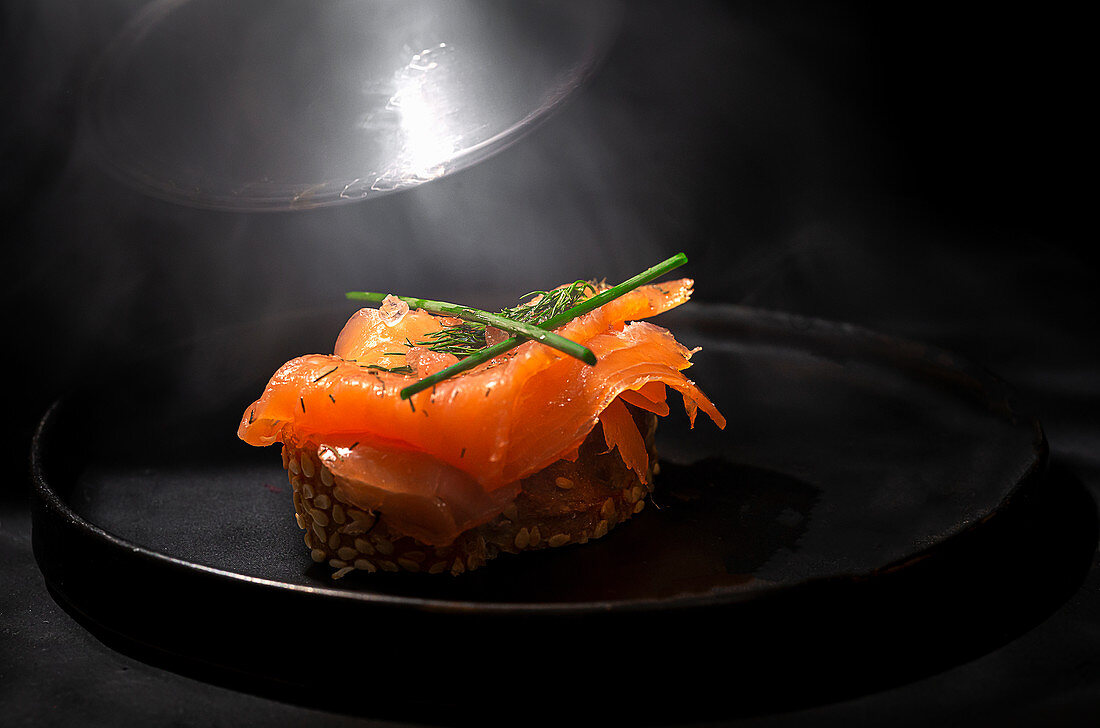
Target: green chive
point(518, 329)
point(589, 304)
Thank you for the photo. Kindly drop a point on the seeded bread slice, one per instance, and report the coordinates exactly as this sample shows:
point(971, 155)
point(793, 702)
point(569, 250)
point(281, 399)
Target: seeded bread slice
point(568, 502)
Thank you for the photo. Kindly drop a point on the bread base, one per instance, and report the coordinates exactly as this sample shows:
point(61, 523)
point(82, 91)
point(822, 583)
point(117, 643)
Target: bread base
point(566, 503)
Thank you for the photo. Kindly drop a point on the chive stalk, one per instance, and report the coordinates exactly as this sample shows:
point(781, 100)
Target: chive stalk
point(518, 329)
point(589, 304)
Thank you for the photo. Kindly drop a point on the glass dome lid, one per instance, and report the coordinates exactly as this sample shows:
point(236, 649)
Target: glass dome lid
point(290, 104)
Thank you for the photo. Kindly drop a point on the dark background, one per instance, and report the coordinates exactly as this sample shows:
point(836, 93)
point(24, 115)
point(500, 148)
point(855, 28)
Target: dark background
point(918, 170)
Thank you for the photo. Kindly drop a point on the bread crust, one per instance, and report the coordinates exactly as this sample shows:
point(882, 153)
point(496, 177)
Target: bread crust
point(567, 502)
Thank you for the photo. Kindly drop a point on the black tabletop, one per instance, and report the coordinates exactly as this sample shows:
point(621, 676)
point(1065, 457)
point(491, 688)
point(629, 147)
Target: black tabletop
point(915, 174)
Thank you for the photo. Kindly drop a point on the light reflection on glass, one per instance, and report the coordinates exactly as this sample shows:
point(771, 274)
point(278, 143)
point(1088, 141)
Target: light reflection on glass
point(421, 104)
point(255, 105)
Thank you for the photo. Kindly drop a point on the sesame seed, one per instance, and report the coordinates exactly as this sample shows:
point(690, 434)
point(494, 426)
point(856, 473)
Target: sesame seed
point(317, 529)
point(292, 465)
point(408, 564)
point(535, 536)
point(307, 489)
point(326, 476)
point(637, 494)
point(417, 556)
point(354, 528)
point(522, 539)
point(301, 521)
point(334, 540)
point(601, 529)
point(639, 506)
point(317, 555)
point(563, 483)
point(337, 513)
point(608, 508)
point(384, 547)
point(438, 567)
point(337, 563)
point(558, 540)
point(386, 565)
point(307, 466)
point(321, 501)
point(458, 567)
point(347, 553)
point(363, 546)
point(341, 573)
point(319, 516)
point(365, 565)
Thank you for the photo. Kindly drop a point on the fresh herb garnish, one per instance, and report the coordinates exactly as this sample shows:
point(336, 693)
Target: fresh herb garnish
point(583, 307)
point(403, 369)
point(330, 371)
point(469, 337)
point(533, 320)
point(518, 328)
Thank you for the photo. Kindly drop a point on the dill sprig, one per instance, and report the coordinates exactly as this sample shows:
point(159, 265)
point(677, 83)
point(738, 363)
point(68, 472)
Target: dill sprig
point(403, 369)
point(517, 328)
point(469, 337)
point(583, 307)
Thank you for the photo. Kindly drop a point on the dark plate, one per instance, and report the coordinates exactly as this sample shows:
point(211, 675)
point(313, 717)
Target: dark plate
point(858, 487)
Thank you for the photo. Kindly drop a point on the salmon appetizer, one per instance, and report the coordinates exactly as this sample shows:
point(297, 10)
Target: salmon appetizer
point(428, 442)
